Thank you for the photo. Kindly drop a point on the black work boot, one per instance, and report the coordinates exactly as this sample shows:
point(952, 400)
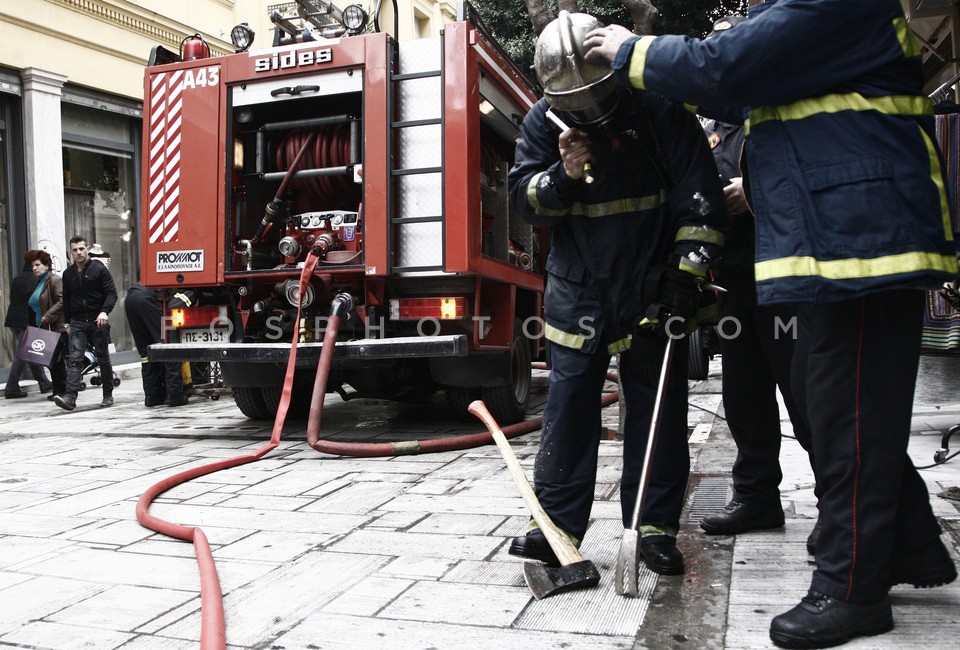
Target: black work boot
point(739, 517)
point(820, 621)
point(930, 566)
point(66, 402)
point(662, 557)
point(107, 400)
point(534, 546)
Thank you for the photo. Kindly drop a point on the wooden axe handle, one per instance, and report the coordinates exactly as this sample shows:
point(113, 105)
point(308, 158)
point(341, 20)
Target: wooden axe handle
point(566, 552)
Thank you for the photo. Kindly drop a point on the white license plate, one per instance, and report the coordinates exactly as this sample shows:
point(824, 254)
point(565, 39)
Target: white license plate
point(204, 335)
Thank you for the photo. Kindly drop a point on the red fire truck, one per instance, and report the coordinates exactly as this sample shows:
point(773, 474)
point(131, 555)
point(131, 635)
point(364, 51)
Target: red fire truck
point(389, 159)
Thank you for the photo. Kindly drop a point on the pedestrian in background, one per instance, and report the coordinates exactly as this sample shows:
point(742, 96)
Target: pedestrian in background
point(617, 245)
point(756, 361)
point(17, 320)
point(46, 305)
point(852, 224)
point(162, 382)
point(88, 297)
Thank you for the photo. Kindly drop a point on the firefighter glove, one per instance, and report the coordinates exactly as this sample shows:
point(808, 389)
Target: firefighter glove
point(679, 291)
point(645, 356)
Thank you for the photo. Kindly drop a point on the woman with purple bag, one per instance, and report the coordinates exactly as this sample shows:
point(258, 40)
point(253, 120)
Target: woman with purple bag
point(46, 303)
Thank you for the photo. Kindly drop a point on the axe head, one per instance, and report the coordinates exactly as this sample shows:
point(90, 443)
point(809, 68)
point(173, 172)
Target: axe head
point(545, 581)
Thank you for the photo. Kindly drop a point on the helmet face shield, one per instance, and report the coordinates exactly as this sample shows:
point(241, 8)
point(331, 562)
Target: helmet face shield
point(584, 90)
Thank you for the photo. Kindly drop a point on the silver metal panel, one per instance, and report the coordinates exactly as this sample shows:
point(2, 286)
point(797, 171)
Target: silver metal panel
point(599, 610)
point(419, 55)
point(330, 83)
point(419, 195)
point(419, 99)
point(420, 146)
point(420, 244)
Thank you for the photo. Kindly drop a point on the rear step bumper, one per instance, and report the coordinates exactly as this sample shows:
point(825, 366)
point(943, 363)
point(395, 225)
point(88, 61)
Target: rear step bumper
point(308, 354)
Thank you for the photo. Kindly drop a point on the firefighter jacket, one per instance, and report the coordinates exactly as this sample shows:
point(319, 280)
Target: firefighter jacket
point(656, 192)
point(845, 178)
point(88, 292)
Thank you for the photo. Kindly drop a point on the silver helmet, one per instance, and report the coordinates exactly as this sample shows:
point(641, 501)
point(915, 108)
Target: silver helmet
point(586, 91)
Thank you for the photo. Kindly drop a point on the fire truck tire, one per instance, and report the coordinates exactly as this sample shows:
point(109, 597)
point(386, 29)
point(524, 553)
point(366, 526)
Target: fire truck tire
point(459, 398)
point(299, 407)
point(508, 402)
point(250, 402)
point(698, 357)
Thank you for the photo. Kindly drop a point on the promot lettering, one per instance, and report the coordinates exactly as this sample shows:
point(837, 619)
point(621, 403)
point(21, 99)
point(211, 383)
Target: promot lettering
point(177, 261)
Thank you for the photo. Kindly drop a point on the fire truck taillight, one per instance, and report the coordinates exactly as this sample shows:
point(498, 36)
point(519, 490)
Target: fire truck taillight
point(421, 308)
point(201, 316)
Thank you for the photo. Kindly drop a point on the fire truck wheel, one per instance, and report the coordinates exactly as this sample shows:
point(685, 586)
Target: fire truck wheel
point(459, 398)
point(250, 402)
point(698, 357)
point(299, 408)
point(508, 402)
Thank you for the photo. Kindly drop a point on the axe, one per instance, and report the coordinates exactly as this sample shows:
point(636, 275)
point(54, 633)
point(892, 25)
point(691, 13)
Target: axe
point(574, 572)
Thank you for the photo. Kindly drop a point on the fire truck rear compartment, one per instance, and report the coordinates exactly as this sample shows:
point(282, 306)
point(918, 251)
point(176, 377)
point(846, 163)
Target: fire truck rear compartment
point(398, 181)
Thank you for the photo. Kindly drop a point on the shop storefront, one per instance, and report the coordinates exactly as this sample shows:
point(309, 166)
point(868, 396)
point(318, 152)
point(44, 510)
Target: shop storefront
point(101, 188)
point(12, 235)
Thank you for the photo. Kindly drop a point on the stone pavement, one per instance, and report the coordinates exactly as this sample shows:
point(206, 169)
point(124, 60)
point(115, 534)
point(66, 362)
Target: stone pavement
point(315, 551)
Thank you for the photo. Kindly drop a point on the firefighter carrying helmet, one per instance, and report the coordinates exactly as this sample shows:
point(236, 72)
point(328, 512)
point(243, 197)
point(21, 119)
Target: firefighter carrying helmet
point(585, 91)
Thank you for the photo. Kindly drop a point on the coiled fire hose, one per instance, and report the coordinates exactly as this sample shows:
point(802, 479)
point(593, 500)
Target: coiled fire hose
point(212, 620)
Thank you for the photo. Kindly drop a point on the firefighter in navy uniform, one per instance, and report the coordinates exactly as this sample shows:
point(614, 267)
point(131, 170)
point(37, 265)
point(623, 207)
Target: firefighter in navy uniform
point(162, 382)
point(617, 246)
point(756, 353)
point(852, 223)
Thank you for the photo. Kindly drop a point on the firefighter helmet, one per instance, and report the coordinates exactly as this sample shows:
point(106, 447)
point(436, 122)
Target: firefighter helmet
point(585, 91)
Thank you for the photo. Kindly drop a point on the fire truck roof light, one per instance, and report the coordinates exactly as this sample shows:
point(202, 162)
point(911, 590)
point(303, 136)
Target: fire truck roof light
point(354, 18)
point(242, 37)
point(452, 308)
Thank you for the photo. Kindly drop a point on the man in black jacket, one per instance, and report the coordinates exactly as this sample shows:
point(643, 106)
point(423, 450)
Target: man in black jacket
point(18, 318)
point(88, 297)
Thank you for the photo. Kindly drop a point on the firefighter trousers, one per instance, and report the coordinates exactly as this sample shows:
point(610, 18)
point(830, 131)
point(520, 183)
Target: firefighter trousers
point(756, 347)
point(565, 471)
point(854, 372)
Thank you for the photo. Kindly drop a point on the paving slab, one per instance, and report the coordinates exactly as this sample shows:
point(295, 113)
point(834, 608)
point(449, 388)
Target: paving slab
point(316, 551)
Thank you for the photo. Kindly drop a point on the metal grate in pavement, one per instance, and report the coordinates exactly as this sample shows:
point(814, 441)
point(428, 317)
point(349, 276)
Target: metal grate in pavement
point(710, 495)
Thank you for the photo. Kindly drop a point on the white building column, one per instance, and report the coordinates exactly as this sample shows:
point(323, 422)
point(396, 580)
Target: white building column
point(43, 162)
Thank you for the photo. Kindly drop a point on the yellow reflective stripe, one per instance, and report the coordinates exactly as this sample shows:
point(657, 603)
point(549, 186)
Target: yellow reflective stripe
point(890, 105)
point(566, 339)
point(909, 44)
point(609, 208)
point(854, 268)
point(185, 298)
point(144, 360)
point(704, 234)
point(619, 346)
point(638, 61)
point(692, 109)
point(532, 191)
point(937, 177)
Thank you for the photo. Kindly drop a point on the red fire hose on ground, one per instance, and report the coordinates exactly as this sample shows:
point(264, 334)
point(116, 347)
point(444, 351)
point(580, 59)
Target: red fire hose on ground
point(212, 622)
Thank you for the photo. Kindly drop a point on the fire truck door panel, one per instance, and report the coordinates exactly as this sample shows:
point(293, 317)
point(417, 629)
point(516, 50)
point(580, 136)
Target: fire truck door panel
point(300, 87)
point(419, 179)
point(183, 231)
point(420, 245)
